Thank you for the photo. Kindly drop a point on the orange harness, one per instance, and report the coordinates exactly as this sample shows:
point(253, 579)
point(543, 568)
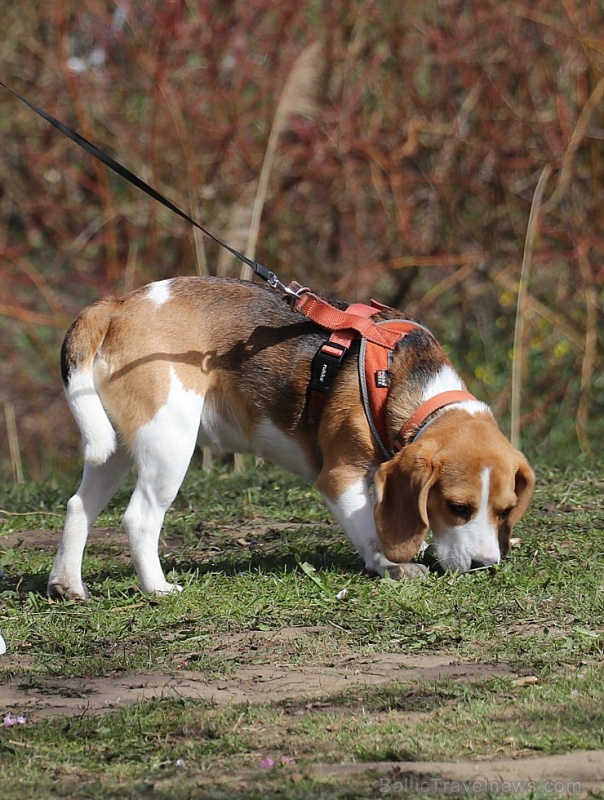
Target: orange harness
point(378, 342)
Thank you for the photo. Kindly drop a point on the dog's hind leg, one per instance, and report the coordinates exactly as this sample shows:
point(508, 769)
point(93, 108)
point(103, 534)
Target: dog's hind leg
point(99, 483)
point(162, 451)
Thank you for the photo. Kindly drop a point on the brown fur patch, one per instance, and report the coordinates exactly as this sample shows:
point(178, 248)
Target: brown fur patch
point(207, 332)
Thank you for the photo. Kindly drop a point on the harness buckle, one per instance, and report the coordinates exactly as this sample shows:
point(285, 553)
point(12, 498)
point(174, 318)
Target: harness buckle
point(325, 366)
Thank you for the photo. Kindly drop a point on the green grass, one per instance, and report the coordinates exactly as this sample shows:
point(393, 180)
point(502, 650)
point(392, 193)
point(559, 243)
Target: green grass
point(257, 552)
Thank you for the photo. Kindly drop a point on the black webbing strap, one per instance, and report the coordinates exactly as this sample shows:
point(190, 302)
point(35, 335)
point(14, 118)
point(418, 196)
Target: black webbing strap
point(262, 272)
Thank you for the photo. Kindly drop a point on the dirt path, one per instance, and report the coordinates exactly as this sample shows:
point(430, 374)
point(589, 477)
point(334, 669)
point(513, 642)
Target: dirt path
point(577, 774)
point(264, 683)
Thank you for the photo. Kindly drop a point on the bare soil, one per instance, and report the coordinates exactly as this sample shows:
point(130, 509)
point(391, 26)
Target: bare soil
point(576, 774)
point(255, 684)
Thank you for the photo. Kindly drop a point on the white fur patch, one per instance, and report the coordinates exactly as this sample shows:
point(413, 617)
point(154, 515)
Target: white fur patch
point(446, 380)
point(354, 511)
point(270, 442)
point(159, 292)
point(476, 540)
point(178, 417)
point(219, 429)
point(98, 435)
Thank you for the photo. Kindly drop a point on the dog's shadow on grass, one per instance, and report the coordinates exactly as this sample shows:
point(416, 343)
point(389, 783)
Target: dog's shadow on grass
point(269, 552)
point(320, 558)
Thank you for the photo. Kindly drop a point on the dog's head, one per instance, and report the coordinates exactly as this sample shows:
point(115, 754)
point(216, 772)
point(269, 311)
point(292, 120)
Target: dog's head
point(463, 480)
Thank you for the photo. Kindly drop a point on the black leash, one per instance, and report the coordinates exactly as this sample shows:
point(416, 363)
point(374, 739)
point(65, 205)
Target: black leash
point(262, 272)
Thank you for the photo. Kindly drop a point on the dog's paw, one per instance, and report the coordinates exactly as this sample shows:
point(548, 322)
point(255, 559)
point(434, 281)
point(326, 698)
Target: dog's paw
point(163, 589)
point(401, 572)
point(62, 590)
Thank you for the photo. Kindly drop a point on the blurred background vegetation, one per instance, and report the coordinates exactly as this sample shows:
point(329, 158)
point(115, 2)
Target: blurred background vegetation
point(408, 140)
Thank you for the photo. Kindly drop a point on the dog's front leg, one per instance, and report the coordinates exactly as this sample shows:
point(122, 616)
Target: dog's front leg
point(350, 502)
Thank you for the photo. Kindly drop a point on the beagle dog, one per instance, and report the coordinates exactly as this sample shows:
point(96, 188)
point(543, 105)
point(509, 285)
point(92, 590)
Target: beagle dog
point(226, 364)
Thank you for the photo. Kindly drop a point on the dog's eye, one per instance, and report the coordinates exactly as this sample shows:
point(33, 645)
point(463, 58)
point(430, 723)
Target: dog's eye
point(460, 509)
point(505, 513)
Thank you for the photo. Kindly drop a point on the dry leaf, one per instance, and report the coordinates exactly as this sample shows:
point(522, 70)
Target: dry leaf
point(527, 680)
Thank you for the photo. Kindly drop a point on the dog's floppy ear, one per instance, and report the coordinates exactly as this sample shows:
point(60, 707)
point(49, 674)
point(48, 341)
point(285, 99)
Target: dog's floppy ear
point(402, 486)
point(524, 485)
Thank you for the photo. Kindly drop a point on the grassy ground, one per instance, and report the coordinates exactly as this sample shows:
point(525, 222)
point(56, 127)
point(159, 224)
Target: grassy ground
point(259, 556)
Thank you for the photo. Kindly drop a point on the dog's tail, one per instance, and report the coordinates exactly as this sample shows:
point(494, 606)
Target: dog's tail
point(79, 363)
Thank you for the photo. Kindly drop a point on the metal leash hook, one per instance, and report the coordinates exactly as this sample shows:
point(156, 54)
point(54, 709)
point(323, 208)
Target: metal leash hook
point(274, 282)
point(293, 292)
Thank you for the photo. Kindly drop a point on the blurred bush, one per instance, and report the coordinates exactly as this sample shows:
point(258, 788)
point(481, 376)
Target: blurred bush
point(409, 177)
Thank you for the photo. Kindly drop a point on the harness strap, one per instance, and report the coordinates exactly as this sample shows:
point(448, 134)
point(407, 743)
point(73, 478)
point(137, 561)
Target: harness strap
point(421, 414)
point(328, 360)
point(335, 319)
point(378, 341)
point(375, 378)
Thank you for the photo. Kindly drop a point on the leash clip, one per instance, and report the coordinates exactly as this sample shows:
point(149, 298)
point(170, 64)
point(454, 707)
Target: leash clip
point(274, 282)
